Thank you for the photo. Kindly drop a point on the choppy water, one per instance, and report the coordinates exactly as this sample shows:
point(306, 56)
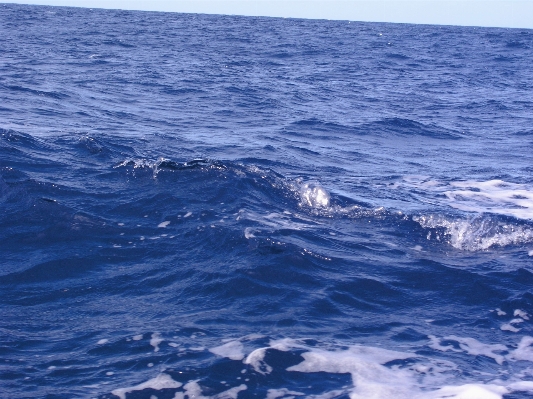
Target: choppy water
point(231, 207)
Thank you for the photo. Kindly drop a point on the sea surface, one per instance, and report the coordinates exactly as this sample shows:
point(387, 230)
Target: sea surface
point(207, 206)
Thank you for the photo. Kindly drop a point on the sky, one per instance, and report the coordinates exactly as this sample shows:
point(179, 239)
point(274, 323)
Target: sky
point(495, 13)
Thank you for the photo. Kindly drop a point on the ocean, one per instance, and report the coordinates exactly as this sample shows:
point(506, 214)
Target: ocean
point(209, 206)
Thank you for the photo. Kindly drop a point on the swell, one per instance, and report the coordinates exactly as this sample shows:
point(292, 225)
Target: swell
point(267, 202)
point(50, 94)
point(470, 231)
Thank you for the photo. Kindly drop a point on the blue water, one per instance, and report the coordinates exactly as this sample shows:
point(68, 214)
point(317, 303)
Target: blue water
point(233, 207)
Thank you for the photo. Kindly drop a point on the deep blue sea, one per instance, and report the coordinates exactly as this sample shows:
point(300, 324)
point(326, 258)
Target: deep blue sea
point(207, 206)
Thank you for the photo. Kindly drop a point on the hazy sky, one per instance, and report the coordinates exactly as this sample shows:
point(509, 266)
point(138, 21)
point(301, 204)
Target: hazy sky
point(503, 13)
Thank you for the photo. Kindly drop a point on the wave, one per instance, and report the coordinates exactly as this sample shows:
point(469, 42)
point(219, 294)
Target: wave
point(398, 56)
point(16, 138)
point(309, 195)
point(408, 127)
point(162, 164)
point(524, 133)
point(374, 372)
point(381, 127)
point(496, 197)
point(51, 94)
point(164, 192)
point(476, 233)
point(488, 214)
point(305, 203)
point(298, 203)
point(118, 42)
point(517, 44)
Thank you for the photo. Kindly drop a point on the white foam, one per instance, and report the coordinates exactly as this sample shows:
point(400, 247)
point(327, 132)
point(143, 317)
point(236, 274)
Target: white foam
point(476, 233)
point(249, 233)
point(371, 379)
point(231, 393)
point(137, 337)
point(471, 346)
point(521, 313)
point(314, 195)
point(255, 359)
point(155, 341)
point(328, 395)
point(492, 196)
point(509, 327)
point(102, 342)
point(281, 393)
point(376, 373)
point(162, 381)
point(467, 391)
point(232, 350)
point(522, 386)
point(524, 351)
point(252, 337)
point(436, 344)
point(187, 214)
point(164, 224)
point(193, 390)
point(374, 378)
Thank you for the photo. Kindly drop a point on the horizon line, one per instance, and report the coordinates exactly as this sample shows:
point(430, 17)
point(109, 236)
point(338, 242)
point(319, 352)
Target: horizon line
point(509, 14)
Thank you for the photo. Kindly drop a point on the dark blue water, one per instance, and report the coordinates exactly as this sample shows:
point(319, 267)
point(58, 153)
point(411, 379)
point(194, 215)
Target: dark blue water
point(203, 206)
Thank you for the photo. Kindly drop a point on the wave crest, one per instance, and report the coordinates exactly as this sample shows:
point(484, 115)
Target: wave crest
point(475, 233)
point(314, 195)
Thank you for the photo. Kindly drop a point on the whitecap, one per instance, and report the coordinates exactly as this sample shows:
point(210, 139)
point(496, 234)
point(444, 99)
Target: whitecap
point(314, 195)
point(475, 233)
point(232, 350)
point(494, 196)
point(415, 377)
point(471, 346)
point(162, 381)
point(155, 341)
point(491, 196)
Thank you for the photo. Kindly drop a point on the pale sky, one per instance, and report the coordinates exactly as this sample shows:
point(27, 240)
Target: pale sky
point(501, 13)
